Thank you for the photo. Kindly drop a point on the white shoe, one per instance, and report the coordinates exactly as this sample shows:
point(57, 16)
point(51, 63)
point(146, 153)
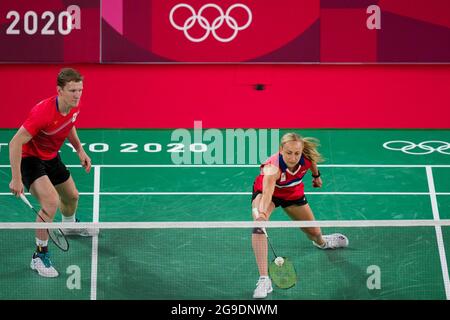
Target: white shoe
point(263, 287)
point(83, 232)
point(333, 241)
point(42, 264)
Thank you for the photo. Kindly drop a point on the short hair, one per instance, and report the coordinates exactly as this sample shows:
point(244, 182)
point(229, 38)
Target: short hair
point(67, 75)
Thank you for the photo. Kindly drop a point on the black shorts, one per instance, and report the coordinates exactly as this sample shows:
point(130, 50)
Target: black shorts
point(33, 168)
point(283, 203)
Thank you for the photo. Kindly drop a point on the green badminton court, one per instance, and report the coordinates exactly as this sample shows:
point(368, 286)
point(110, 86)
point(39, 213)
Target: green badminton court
point(155, 176)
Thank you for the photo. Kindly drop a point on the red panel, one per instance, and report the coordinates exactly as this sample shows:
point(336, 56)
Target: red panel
point(344, 36)
point(223, 96)
point(436, 11)
point(90, 50)
point(136, 22)
point(41, 29)
point(270, 26)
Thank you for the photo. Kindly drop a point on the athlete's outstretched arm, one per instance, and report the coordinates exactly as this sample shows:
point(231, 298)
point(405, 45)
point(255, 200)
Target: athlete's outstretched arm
point(21, 137)
point(271, 174)
point(75, 142)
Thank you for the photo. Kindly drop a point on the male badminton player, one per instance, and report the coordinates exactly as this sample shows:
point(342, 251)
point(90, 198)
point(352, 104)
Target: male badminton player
point(35, 162)
point(280, 183)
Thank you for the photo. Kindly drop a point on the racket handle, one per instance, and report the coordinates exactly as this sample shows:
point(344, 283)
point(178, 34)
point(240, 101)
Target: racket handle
point(24, 199)
point(265, 232)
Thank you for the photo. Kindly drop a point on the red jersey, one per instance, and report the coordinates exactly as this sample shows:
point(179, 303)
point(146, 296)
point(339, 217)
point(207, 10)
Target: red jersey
point(290, 185)
point(49, 129)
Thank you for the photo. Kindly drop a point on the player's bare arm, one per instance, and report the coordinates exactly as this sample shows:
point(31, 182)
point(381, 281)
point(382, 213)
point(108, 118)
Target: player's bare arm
point(75, 142)
point(271, 175)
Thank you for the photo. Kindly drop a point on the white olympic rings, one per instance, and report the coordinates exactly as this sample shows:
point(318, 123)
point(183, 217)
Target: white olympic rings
point(210, 27)
point(425, 147)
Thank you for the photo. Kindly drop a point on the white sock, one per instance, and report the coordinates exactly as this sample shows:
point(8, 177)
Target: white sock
point(264, 277)
point(41, 243)
point(323, 246)
point(68, 219)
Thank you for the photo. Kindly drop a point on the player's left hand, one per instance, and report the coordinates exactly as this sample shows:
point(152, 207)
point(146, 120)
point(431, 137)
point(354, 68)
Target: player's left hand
point(317, 182)
point(85, 160)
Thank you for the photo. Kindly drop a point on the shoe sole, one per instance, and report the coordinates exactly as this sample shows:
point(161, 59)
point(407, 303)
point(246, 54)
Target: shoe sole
point(269, 291)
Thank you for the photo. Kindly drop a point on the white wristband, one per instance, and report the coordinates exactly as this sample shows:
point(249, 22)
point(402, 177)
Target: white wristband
point(255, 213)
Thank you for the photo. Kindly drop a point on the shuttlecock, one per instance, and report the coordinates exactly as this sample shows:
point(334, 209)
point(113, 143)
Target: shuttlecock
point(279, 261)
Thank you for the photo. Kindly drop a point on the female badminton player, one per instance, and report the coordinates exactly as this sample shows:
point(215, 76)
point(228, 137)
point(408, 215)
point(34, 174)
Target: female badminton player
point(280, 183)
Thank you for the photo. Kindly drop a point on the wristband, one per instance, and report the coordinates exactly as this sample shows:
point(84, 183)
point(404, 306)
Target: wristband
point(318, 174)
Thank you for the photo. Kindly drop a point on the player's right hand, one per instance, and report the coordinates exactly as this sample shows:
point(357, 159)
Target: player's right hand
point(317, 182)
point(16, 187)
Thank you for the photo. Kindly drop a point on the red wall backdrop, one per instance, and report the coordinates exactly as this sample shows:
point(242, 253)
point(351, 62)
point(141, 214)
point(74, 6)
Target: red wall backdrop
point(223, 96)
point(129, 31)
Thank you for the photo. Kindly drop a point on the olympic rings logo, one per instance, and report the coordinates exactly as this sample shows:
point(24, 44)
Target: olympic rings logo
point(425, 147)
point(206, 25)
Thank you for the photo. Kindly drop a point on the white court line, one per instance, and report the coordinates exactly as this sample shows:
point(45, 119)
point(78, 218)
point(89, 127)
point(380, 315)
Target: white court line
point(95, 218)
point(249, 193)
point(229, 224)
point(96, 193)
point(440, 240)
point(231, 193)
point(257, 165)
point(254, 166)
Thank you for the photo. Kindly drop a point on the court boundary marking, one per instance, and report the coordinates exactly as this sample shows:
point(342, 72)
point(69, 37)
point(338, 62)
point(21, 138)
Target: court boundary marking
point(438, 230)
point(244, 193)
point(228, 224)
point(252, 165)
point(95, 218)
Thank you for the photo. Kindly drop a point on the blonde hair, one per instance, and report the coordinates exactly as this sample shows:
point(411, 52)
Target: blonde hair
point(310, 146)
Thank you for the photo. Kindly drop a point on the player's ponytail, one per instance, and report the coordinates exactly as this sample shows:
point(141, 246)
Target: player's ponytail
point(310, 151)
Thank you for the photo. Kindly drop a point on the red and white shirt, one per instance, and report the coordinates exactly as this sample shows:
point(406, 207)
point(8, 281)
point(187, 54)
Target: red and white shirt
point(290, 184)
point(49, 129)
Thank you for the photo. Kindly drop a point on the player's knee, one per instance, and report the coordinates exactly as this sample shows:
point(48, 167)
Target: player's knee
point(50, 205)
point(71, 198)
point(75, 196)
